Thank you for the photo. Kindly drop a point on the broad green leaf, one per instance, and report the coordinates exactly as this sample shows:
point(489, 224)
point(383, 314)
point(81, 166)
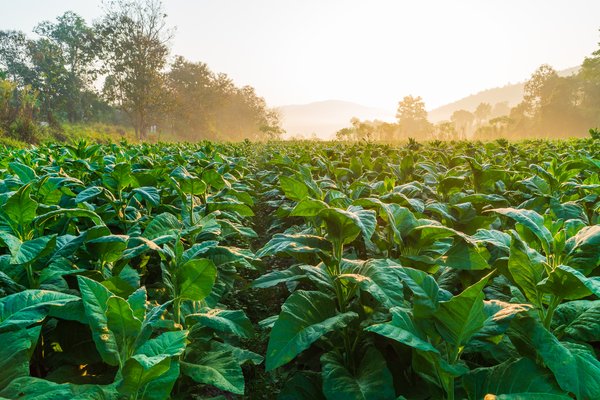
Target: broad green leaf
point(579, 320)
point(582, 249)
point(532, 221)
point(195, 279)
point(217, 368)
point(41, 220)
point(168, 343)
point(149, 194)
point(25, 173)
point(293, 188)
point(228, 321)
point(20, 207)
point(120, 319)
point(305, 317)
point(402, 329)
point(290, 244)
point(378, 278)
point(576, 368)
point(566, 282)
point(526, 267)
point(108, 249)
point(15, 353)
point(304, 385)
point(164, 224)
point(30, 388)
point(459, 318)
point(514, 377)
point(369, 380)
point(29, 307)
point(95, 302)
point(425, 291)
point(88, 194)
point(31, 250)
point(308, 207)
point(139, 371)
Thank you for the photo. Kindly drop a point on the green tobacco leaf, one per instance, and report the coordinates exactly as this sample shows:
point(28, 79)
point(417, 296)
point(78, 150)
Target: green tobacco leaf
point(575, 367)
point(403, 330)
point(579, 320)
point(217, 368)
point(342, 226)
point(139, 371)
point(229, 321)
point(304, 385)
point(463, 255)
point(290, 244)
point(149, 194)
point(569, 283)
point(196, 278)
point(120, 319)
point(26, 308)
point(308, 207)
point(293, 188)
point(108, 248)
point(168, 343)
point(164, 224)
point(20, 208)
point(305, 317)
point(29, 388)
point(377, 278)
point(95, 298)
point(88, 194)
point(582, 249)
point(459, 318)
point(526, 267)
point(514, 377)
point(532, 221)
point(25, 173)
point(31, 250)
point(16, 353)
point(370, 380)
point(41, 220)
point(425, 291)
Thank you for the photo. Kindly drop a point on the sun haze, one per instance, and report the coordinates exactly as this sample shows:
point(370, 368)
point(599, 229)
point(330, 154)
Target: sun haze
point(372, 53)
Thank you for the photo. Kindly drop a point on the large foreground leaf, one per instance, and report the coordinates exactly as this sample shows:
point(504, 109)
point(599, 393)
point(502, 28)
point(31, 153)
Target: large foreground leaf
point(370, 380)
point(305, 317)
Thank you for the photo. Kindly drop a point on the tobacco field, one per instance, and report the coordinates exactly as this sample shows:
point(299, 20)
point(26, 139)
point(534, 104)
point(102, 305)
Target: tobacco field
point(299, 270)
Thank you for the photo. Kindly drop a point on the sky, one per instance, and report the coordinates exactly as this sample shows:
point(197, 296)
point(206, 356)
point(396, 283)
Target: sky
point(372, 52)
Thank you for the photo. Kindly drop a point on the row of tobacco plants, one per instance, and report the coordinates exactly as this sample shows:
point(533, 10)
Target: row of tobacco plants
point(445, 270)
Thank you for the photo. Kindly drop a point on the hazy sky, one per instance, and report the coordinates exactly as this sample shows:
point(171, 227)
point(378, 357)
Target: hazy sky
point(372, 52)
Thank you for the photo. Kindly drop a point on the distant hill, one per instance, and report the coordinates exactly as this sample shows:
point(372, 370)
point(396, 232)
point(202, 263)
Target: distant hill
point(512, 93)
point(325, 118)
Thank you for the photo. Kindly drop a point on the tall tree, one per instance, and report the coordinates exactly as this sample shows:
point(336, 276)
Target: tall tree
point(135, 37)
point(74, 47)
point(412, 117)
point(463, 121)
point(482, 112)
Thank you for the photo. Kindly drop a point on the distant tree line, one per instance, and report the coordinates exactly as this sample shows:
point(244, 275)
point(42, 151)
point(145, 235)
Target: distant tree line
point(553, 106)
point(119, 70)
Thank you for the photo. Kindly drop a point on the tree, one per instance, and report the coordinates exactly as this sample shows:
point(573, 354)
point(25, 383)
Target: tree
point(74, 46)
point(483, 112)
point(135, 39)
point(412, 117)
point(204, 105)
point(463, 120)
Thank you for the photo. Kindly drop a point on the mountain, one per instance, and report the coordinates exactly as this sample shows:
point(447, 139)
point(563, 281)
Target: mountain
point(325, 118)
point(512, 93)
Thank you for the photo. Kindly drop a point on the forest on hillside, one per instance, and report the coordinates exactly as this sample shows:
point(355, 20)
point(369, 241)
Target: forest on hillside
point(119, 70)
